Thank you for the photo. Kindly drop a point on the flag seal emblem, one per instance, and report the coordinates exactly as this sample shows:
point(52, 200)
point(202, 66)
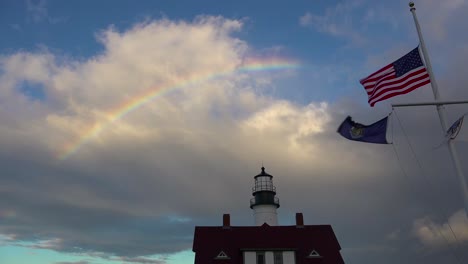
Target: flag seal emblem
point(356, 132)
point(374, 133)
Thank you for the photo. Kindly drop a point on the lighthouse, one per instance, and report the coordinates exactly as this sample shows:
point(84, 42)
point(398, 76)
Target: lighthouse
point(265, 202)
point(266, 242)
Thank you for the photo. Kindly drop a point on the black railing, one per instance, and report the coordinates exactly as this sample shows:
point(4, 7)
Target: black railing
point(253, 202)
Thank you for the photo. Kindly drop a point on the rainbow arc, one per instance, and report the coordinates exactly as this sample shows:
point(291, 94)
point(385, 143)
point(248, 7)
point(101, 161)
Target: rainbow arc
point(256, 65)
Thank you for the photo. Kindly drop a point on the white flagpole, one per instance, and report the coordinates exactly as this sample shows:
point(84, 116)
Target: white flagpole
point(441, 112)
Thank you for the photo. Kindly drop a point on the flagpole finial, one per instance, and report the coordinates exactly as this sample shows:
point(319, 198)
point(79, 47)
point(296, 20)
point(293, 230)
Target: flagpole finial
point(411, 5)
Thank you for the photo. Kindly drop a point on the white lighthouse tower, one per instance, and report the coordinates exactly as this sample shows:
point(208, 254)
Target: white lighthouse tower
point(264, 203)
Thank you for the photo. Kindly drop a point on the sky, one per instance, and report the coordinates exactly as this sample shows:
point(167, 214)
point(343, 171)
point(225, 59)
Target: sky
point(125, 124)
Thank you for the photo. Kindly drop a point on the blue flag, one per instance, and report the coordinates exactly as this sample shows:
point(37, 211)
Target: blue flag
point(374, 133)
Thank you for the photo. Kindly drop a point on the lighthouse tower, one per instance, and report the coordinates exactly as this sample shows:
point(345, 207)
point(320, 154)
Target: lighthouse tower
point(266, 242)
point(264, 203)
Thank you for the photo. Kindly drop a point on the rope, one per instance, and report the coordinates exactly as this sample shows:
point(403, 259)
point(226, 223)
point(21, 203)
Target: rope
point(392, 126)
point(440, 211)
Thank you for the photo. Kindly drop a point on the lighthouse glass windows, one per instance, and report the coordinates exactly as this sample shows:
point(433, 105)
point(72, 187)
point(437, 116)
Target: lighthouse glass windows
point(264, 183)
point(260, 258)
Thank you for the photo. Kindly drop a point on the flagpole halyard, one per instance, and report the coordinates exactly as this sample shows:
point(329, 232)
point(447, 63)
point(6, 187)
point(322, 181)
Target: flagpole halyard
point(441, 111)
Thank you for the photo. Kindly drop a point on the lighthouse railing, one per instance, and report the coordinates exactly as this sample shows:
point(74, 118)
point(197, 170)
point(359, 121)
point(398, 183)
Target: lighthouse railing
point(254, 202)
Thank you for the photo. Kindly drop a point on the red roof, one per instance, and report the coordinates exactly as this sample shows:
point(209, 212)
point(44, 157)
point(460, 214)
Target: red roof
point(210, 241)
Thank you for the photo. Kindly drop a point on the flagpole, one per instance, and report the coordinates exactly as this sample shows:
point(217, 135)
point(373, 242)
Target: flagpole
point(441, 112)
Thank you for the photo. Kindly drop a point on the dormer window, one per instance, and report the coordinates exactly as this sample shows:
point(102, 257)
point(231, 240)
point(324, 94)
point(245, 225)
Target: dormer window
point(222, 255)
point(314, 254)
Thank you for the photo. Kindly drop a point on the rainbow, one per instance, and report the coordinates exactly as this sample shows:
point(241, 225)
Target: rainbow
point(252, 65)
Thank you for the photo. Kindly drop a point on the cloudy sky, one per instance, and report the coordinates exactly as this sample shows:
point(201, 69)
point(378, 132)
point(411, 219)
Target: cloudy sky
point(125, 124)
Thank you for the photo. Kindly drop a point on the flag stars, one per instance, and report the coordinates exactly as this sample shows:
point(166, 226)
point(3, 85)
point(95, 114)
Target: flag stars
point(409, 62)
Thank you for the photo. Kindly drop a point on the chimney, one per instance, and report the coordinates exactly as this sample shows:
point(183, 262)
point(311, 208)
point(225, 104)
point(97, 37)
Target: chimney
point(226, 221)
point(299, 220)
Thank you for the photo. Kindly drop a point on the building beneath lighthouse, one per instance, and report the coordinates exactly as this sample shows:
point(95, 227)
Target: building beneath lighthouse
point(266, 242)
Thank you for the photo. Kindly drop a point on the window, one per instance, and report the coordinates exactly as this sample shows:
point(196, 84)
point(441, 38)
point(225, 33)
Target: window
point(278, 257)
point(260, 258)
point(222, 255)
point(314, 254)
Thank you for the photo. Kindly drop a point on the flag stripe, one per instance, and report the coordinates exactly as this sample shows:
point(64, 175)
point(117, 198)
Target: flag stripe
point(377, 73)
point(371, 90)
point(376, 78)
point(390, 83)
point(399, 77)
point(405, 91)
point(401, 87)
point(370, 85)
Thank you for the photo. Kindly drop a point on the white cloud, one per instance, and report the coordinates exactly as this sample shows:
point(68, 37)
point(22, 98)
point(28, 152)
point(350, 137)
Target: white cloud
point(306, 19)
point(294, 123)
point(150, 56)
point(442, 235)
point(5, 239)
point(382, 14)
point(29, 67)
point(37, 11)
point(337, 21)
point(54, 244)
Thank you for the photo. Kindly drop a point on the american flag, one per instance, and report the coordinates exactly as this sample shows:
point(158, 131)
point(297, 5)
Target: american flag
point(399, 77)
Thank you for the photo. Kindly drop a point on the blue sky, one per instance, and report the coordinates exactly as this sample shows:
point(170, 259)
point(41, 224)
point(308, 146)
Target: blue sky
point(125, 124)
